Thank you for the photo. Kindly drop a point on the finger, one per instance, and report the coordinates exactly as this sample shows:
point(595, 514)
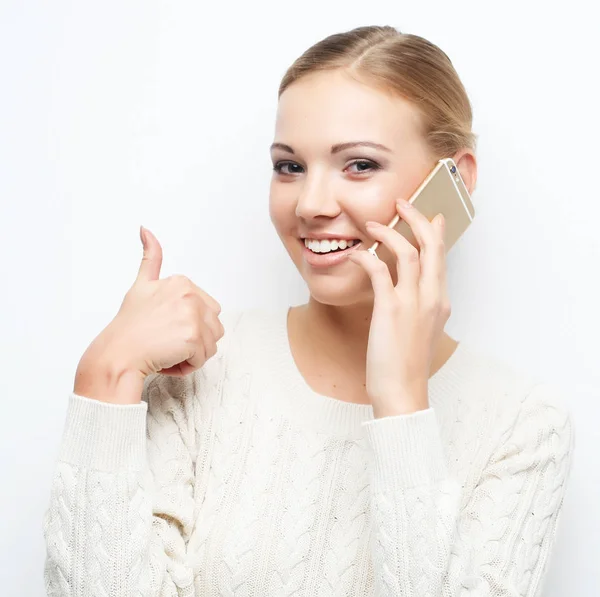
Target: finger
point(213, 304)
point(378, 272)
point(152, 258)
point(210, 301)
point(199, 353)
point(407, 256)
point(433, 264)
point(212, 321)
point(177, 370)
point(419, 224)
point(426, 234)
point(202, 351)
point(441, 224)
point(206, 316)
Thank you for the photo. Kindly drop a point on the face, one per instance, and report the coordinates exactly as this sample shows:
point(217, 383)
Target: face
point(319, 190)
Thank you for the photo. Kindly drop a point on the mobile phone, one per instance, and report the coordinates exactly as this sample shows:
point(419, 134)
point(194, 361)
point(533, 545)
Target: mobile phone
point(443, 191)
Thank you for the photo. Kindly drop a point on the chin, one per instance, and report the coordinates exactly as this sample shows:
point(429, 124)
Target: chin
point(337, 293)
point(343, 285)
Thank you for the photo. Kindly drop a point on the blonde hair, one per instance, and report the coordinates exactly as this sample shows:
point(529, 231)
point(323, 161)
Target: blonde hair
point(405, 64)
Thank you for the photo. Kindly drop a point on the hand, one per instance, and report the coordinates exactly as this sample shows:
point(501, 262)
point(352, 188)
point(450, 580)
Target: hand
point(167, 326)
point(409, 318)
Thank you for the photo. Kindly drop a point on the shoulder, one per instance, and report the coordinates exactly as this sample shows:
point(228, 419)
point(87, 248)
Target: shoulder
point(522, 405)
point(496, 417)
point(543, 423)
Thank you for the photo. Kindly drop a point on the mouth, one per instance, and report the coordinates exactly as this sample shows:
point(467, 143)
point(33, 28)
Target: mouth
point(329, 258)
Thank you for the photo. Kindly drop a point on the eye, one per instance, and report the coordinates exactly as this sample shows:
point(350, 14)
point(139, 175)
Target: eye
point(294, 168)
point(370, 165)
point(277, 167)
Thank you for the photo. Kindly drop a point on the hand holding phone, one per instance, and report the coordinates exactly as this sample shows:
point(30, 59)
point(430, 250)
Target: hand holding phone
point(443, 191)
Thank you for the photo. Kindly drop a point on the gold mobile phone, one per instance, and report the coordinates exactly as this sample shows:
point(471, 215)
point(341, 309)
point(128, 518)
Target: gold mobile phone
point(443, 191)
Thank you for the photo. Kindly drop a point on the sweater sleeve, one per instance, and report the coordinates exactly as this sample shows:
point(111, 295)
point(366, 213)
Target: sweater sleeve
point(122, 500)
point(427, 541)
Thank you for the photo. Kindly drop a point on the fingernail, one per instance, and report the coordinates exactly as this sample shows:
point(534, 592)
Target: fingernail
point(404, 203)
point(371, 223)
point(143, 236)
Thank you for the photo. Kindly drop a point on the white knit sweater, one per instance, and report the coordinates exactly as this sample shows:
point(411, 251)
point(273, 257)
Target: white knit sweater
point(240, 480)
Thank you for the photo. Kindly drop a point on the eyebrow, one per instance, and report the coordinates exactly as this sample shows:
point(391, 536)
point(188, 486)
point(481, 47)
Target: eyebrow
point(338, 146)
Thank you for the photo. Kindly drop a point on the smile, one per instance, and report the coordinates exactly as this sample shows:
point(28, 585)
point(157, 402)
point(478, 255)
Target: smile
point(331, 255)
point(329, 246)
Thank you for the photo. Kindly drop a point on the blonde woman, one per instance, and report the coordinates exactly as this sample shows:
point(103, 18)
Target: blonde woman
point(347, 446)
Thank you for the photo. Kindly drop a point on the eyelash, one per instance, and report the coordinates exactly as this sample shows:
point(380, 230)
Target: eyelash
point(374, 166)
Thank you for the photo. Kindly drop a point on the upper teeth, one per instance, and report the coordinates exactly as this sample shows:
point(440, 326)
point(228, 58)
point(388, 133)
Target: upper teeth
point(324, 246)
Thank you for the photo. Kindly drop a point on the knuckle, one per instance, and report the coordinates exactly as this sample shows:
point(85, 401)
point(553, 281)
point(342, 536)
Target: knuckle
point(412, 254)
point(178, 279)
point(208, 316)
point(382, 271)
point(221, 329)
point(192, 333)
point(190, 316)
point(380, 267)
point(433, 306)
point(188, 292)
point(188, 310)
point(406, 251)
point(182, 282)
point(211, 350)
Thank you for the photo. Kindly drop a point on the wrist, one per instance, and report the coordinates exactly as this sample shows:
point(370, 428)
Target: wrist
point(401, 403)
point(108, 381)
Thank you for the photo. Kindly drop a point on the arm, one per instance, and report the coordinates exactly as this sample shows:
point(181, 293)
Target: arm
point(498, 544)
point(121, 508)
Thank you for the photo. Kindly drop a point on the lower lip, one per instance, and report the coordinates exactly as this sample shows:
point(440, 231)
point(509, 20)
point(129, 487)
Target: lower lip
point(319, 260)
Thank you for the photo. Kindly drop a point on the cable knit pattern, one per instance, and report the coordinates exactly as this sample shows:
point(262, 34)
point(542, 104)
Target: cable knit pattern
point(239, 480)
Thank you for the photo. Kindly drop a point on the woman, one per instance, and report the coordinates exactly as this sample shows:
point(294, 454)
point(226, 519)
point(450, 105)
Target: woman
point(347, 446)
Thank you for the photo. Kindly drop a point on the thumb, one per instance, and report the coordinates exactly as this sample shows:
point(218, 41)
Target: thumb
point(152, 259)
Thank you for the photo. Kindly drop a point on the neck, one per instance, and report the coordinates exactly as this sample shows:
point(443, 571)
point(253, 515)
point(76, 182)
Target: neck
point(344, 327)
point(342, 334)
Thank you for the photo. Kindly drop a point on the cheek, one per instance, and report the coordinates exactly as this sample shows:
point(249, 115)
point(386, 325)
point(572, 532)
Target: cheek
point(375, 208)
point(373, 200)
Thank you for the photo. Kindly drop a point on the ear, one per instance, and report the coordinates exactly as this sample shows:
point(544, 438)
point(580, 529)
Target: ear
point(467, 166)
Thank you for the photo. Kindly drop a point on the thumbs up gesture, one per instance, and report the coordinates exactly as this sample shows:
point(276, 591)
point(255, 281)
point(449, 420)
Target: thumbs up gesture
point(168, 326)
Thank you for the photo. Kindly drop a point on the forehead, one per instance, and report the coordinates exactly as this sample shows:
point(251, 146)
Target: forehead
point(332, 105)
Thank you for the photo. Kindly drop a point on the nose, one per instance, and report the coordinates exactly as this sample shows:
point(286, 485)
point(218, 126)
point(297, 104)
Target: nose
point(316, 198)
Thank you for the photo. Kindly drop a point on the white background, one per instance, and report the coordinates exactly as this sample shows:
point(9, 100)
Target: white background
point(116, 114)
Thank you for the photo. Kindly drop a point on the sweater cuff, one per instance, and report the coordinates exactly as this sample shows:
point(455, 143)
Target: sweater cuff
point(407, 450)
point(103, 436)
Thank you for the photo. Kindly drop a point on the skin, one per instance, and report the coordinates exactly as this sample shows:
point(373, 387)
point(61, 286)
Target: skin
point(332, 337)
